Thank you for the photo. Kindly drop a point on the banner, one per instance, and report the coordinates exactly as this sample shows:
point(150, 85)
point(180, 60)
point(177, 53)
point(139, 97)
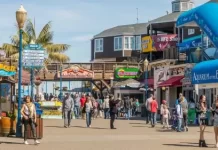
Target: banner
point(162, 42)
point(6, 70)
point(147, 44)
point(126, 73)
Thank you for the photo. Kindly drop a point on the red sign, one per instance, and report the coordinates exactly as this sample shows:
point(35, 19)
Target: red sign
point(76, 72)
point(161, 42)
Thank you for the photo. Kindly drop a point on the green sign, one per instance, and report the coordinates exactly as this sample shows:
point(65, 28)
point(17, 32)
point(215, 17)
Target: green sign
point(126, 73)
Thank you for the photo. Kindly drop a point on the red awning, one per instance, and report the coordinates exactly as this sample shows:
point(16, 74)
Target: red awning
point(173, 81)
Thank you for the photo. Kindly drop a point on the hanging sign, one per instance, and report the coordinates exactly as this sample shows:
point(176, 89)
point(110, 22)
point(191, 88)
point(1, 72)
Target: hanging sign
point(33, 56)
point(126, 73)
point(76, 72)
point(6, 70)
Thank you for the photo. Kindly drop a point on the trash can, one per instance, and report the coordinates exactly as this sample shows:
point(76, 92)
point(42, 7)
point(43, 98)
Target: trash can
point(143, 111)
point(39, 129)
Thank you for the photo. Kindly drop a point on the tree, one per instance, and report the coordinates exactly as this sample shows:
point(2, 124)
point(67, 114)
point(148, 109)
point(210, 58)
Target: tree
point(45, 37)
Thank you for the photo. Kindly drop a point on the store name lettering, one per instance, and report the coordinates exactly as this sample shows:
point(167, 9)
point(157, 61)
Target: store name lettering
point(127, 73)
point(7, 68)
point(167, 39)
point(207, 76)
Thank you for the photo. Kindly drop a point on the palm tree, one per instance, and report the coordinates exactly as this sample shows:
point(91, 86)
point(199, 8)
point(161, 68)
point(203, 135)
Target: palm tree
point(45, 37)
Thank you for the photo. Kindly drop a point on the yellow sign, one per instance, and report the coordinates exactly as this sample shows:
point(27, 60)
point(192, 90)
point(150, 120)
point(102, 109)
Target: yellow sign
point(7, 68)
point(147, 45)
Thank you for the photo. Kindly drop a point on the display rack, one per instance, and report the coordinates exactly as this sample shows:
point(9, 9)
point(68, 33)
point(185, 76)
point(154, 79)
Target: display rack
point(51, 110)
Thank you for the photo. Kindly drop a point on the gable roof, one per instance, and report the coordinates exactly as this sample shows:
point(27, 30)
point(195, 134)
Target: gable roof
point(172, 17)
point(132, 29)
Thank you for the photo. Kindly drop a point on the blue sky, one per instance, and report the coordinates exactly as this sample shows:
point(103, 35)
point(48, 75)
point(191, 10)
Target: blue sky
point(75, 22)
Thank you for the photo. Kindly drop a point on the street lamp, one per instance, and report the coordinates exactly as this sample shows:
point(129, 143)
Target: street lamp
point(146, 77)
point(21, 15)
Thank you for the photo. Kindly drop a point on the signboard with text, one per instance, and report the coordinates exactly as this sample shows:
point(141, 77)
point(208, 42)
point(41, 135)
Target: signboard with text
point(158, 42)
point(33, 56)
point(127, 73)
point(76, 72)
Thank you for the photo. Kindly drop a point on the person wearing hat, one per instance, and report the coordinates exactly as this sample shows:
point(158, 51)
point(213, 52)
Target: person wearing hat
point(113, 110)
point(106, 107)
point(67, 108)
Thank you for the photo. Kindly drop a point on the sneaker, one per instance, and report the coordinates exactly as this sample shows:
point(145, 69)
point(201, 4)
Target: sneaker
point(36, 142)
point(26, 143)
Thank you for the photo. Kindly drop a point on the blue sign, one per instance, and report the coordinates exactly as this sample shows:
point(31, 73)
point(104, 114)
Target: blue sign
point(205, 72)
point(193, 42)
point(206, 17)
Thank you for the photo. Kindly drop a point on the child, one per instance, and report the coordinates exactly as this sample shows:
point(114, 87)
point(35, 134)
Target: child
point(166, 116)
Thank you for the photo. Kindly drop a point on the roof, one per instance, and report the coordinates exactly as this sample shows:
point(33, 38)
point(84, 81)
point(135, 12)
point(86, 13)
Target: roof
point(172, 17)
point(128, 82)
point(132, 29)
point(173, 81)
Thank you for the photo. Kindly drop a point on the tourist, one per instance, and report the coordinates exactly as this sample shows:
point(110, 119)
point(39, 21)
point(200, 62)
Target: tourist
point(215, 122)
point(28, 112)
point(184, 105)
point(162, 110)
point(88, 109)
point(77, 106)
point(148, 108)
point(136, 107)
point(179, 113)
point(106, 107)
point(82, 103)
point(153, 109)
point(100, 106)
point(95, 107)
point(166, 116)
point(67, 109)
point(113, 110)
point(201, 109)
point(127, 107)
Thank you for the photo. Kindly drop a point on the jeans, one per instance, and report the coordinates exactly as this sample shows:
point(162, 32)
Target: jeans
point(153, 118)
point(106, 113)
point(179, 125)
point(32, 126)
point(128, 113)
point(77, 111)
point(88, 118)
point(185, 119)
point(67, 117)
point(148, 116)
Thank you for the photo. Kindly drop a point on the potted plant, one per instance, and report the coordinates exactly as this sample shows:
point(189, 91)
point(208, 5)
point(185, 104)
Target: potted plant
point(12, 117)
point(65, 88)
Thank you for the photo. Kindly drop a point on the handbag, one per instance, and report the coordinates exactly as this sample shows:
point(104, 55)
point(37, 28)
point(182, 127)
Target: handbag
point(31, 119)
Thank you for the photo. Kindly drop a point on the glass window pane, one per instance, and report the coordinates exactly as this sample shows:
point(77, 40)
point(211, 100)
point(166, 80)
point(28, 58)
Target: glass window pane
point(133, 43)
point(120, 43)
point(116, 43)
point(127, 42)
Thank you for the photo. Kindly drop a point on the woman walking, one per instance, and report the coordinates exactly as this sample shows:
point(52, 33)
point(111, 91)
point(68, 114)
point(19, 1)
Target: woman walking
point(215, 122)
point(88, 109)
point(28, 112)
point(201, 109)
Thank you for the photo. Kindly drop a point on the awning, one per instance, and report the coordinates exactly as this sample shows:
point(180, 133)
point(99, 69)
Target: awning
point(205, 72)
point(206, 17)
point(173, 81)
point(186, 44)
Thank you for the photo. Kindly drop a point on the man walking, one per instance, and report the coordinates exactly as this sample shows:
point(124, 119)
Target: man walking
point(77, 106)
point(154, 107)
point(127, 107)
point(148, 108)
point(106, 107)
point(67, 108)
point(113, 110)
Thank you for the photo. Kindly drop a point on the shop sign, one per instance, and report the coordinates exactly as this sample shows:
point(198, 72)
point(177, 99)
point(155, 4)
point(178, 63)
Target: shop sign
point(76, 72)
point(6, 70)
point(187, 75)
point(147, 44)
point(126, 73)
point(161, 42)
point(209, 77)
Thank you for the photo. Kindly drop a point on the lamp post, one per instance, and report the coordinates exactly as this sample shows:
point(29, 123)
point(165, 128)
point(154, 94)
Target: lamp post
point(21, 15)
point(146, 77)
point(61, 82)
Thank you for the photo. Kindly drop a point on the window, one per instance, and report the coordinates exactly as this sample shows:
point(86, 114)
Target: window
point(176, 7)
point(99, 45)
point(138, 43)
point(118, 43)
point(184, 6)
point(191, 31)
point(132, 39)
point(127, 43)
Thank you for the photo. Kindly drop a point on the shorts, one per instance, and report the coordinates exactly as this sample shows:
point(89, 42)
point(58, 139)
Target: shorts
point(202, 121)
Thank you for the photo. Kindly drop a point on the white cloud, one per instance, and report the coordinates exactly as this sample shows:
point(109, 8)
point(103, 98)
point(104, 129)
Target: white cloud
point(82, 38)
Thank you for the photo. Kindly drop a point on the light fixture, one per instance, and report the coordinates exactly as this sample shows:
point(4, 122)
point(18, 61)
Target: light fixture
point(146, 62)
point(163, 88)
point(21, 15)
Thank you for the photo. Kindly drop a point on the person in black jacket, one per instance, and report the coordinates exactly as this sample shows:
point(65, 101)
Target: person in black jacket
point(113, 110)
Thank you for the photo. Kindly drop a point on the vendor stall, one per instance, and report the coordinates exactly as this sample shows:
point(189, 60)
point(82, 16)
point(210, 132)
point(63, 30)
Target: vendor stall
point(51, 110)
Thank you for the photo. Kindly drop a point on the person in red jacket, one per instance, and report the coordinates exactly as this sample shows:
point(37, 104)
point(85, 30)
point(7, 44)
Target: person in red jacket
point(82, 103)
point(154, 107)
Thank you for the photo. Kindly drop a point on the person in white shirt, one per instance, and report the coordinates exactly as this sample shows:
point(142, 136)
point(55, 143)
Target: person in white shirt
point(179, 116)
point(148, 108)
